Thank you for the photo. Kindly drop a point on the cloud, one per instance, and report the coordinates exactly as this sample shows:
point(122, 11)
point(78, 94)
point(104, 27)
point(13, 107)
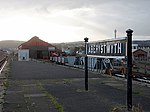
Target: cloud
point(93, 17)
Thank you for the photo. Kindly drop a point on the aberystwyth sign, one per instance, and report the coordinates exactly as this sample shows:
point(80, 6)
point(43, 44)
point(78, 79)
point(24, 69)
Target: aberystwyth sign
point(114, 47)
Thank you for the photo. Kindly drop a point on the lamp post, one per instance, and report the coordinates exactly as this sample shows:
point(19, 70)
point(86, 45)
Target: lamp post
point(129, 69)
point(86, 64)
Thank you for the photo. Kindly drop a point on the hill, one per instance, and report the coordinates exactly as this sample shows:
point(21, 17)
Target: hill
point(10, 43)
point(142, 42)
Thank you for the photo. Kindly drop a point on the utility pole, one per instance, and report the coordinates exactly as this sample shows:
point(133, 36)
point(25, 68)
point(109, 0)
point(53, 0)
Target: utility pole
point(115, 32)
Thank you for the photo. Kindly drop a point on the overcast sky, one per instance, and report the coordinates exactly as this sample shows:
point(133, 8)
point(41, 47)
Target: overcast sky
point(72, 20)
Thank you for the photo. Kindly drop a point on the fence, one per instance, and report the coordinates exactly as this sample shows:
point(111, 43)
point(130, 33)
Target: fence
point(102, 65)
point(146, 59)
point(94, 64)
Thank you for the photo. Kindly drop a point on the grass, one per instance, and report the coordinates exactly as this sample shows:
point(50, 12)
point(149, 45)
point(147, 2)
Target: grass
point(7, 72)
point(6, 84)
point(136, 92)
point(53, 99)
point(67, 81)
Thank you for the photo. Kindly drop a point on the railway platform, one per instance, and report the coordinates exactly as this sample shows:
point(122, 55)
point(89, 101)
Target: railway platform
point(46, 87)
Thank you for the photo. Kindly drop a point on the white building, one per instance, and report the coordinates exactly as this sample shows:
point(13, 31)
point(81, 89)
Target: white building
point(134, 46)
point(23, 55)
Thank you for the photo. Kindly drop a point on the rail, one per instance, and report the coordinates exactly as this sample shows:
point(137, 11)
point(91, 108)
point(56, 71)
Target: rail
point(2, 63)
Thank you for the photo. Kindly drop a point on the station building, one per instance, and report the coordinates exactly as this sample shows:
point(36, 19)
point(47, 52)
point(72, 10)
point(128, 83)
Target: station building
point(36, 48)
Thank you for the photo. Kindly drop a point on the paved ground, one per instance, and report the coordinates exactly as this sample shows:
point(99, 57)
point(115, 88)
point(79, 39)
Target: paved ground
point(43, 87)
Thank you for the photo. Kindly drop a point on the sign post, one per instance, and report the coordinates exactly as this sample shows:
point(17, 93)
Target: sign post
point(86, 64)
point(115, 48)
point(129, 69)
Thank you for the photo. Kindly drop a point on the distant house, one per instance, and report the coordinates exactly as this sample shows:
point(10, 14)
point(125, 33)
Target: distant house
point(139, 53)
point(141, 47)
point(134, 47)
point(38, 49)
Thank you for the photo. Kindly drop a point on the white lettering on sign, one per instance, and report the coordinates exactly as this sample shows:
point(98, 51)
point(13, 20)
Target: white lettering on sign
point(119, 47)
point(115, 48)
point(106, 48)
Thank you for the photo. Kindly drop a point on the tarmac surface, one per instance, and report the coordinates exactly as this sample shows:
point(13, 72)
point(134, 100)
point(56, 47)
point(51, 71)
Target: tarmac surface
point(46, 87)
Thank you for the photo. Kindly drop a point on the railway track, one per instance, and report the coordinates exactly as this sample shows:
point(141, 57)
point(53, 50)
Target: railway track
point(2, 63)
point(143, 78)
point(140, 72)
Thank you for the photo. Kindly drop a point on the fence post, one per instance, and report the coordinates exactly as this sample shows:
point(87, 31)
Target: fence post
point(145, 70)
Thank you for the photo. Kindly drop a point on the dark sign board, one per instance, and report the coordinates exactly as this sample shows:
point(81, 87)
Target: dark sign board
point(116, 47)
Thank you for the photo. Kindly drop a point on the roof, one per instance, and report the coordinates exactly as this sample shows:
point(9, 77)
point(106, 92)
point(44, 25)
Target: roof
point(133, 50)
point(139, 50)
point(34, 41)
